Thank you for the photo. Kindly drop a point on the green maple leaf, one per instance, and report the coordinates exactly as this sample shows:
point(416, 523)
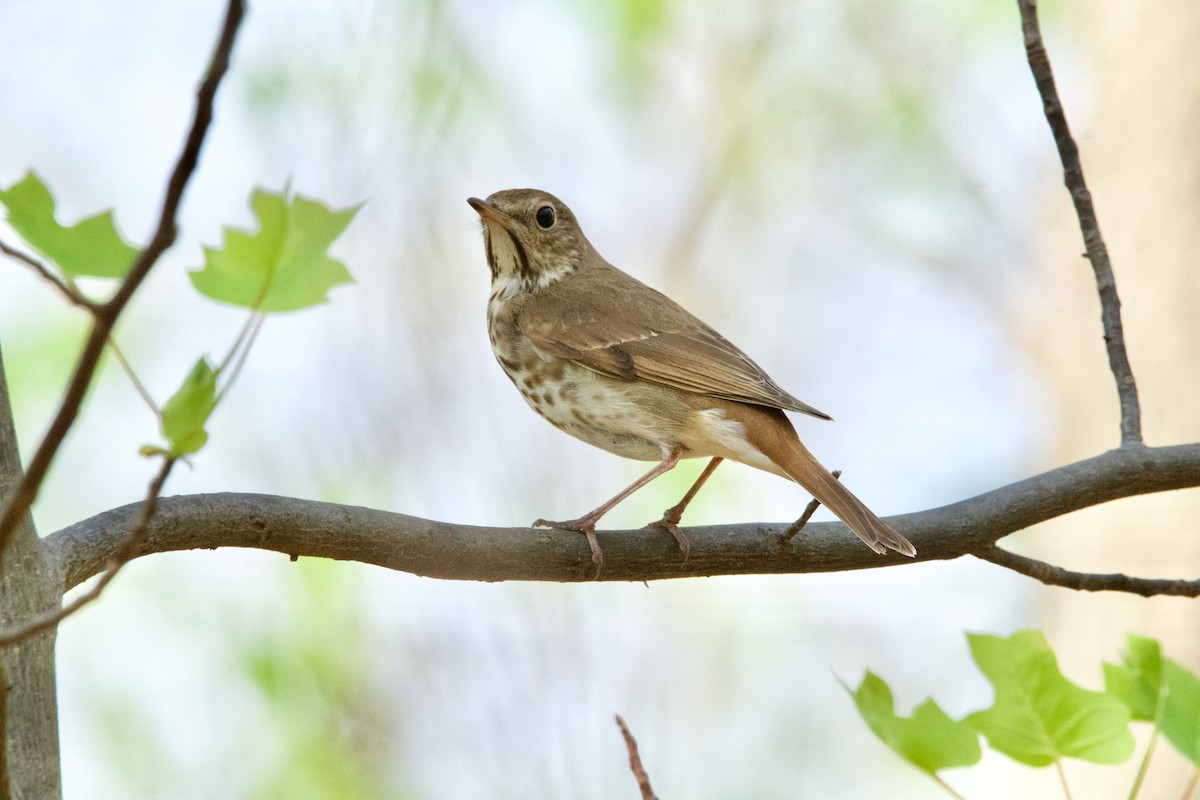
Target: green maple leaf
point(1181, 710)
point(91, 247)
point(1138, 680)
point(1038, 715)
point(284, 266)
point(929, 739)
point(186, 413)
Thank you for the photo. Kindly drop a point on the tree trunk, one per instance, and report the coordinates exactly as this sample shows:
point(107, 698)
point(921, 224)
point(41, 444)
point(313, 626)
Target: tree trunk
point(30, 584)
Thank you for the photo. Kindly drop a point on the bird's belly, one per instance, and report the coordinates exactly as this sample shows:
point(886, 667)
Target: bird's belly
point(621, 417)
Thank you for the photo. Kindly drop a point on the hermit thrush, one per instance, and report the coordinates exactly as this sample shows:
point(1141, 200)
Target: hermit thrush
point(621, 366)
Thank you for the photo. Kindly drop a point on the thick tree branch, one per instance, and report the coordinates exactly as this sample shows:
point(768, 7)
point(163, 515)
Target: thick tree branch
point(105, 316)
point(462, 552)
point(1097, 252)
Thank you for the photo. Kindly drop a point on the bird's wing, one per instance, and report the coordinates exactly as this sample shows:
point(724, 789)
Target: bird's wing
point(624, 329)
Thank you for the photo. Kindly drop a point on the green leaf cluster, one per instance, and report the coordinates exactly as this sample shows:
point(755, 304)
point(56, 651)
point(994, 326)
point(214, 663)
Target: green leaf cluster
point(284, 266)
point(1158, 690)
point(1038, 717)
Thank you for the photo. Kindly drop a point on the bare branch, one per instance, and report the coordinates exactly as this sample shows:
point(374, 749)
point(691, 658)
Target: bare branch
point(65, 289)
point(462, 552)
point(1088, 581)
point(105, 316)
point(805, 516)
point(635, 761)
point(125, 552)
point(1097, 252)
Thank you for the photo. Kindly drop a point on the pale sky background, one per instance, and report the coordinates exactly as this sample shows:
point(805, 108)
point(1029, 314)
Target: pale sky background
point(848, 191)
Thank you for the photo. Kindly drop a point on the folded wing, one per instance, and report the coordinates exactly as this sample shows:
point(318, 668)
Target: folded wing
point(629, 331)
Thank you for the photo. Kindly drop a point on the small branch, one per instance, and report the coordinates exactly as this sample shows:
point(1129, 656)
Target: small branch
point(805, 516)
point(65, 289)
point(105, 316)
point(1097, 252)
point(124, 554)
point(635, 761)
point(1088, 581)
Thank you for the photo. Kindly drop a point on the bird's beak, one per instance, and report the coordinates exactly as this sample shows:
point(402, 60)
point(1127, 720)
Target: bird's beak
point(487, 212)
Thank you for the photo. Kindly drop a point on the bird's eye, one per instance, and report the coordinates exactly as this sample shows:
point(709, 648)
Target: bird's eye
point(545, 217)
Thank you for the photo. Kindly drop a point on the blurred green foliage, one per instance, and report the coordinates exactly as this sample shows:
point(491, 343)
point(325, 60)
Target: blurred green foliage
point(316, 674)
point(1038, 717)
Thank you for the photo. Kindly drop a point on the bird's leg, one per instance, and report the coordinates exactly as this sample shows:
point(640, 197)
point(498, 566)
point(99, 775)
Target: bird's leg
point(670, 518)
point(587, 523)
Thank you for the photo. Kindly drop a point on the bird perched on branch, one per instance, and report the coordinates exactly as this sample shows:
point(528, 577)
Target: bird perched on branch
point(623, 367)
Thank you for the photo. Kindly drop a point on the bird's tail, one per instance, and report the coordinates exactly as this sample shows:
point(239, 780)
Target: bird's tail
point(802, 467)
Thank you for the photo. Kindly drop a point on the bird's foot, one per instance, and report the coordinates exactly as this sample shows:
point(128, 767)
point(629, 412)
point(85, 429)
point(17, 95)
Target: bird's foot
point(670, 523)
point(585, 525)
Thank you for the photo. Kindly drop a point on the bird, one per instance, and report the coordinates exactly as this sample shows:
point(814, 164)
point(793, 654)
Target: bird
point(621, 366)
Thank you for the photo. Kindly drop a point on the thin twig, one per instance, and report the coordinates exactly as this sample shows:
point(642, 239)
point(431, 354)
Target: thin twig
point(105, 316)
point(1097, 252)
point(805, 516)
point(68, 291)
point(124, 554)
point(1088, 581)
point(635, 761)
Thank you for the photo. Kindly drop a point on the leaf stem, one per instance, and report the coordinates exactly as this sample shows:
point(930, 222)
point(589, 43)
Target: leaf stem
point(238, 353)
point(1191, 784)
point(1062, 776)
point(938, 780)
point(133, 378)
point(1141, 773)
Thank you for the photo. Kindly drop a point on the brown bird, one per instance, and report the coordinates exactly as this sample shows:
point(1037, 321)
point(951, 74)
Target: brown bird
point(623, 367)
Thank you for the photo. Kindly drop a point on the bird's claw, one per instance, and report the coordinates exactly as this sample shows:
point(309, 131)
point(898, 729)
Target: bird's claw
point(670, 523)
point(582, 525)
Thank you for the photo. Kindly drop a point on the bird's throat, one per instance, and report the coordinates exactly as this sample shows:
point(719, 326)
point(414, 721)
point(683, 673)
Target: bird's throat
point(516, 267)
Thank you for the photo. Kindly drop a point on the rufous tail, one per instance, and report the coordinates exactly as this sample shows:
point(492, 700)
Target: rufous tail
point(793, 457)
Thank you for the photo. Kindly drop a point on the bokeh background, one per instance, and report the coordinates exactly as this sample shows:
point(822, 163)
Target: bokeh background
point(862, 195)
